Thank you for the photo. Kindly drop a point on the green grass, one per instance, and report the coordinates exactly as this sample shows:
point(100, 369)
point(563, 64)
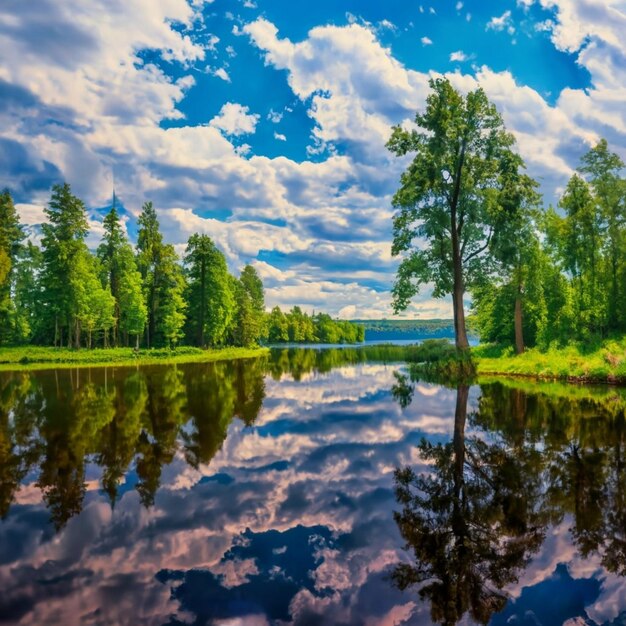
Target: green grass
point(605, 363)
point(38, 357)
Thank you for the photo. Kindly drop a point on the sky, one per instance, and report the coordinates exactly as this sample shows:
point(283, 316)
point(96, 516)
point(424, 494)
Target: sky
point(263, 123)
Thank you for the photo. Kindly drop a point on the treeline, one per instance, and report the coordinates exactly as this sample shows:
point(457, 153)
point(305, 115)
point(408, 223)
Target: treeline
point(62, 294)
point(298, 327)
point(470, 220)
point(562, 275)
point(422, 326)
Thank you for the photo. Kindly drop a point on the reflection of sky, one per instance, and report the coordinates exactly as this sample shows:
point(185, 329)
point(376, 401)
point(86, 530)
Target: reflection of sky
point(291, 522)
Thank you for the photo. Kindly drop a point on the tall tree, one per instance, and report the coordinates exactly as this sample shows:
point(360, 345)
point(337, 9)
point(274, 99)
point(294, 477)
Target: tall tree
point(149, 248)
point(94, 304)
point(68, 273)
point(278, 328)
point(447, 195)
point(254, 286)
point(603, 170)
point(170, 319)
point(11, 236)
point(163, 282)
point(515, 247)
point(210, 292)
point(28, 296)
point(123, 279)
point(576, 240)
point(250, 316)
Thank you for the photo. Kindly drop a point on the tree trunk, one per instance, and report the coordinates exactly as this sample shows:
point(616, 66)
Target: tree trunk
point(202, 301)
point(458, 285)
point(519, 329)
point(459, 316)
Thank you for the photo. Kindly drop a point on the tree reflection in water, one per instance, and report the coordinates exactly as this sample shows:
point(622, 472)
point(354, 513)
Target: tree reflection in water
point(528, 458)
point(475, 517)
point(57, 422)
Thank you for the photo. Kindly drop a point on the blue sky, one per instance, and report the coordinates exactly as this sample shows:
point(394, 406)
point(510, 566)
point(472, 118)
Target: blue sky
point(263, 122)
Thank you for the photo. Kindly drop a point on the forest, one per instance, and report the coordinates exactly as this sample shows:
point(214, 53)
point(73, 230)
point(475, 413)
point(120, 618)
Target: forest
point(60, 293)
point(535, 276)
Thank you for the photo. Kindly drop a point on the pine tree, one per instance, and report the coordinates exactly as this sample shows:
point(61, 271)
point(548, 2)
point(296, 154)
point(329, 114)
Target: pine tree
point(149, 253)
point(124, 280)
point(66, 272)
point(210, 293)
point(11, 237)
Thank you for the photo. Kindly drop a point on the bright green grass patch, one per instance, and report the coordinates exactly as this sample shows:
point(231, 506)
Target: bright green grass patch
point(604, 363)
point(38, 357)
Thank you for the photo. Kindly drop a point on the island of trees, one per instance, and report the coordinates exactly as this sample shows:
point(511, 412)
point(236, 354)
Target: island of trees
point(62, 294)
point(536, 277)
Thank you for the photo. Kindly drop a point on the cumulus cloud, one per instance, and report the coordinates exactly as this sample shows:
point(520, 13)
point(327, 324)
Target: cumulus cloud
point(91, 105)
point(235, 119)
point(426, 41)
point(220, 72)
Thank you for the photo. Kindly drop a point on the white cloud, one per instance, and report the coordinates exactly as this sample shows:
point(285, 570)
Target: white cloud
point(459, 56)
point(275, 116)
point(459, 5)
point(387, 25)
point(502, 22)
point(336, 211)
point(279, 136)
point(426, 41)
point(235, 119)
point(220, 72)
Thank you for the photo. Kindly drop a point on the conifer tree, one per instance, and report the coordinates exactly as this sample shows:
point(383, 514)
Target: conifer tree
point(11, 237)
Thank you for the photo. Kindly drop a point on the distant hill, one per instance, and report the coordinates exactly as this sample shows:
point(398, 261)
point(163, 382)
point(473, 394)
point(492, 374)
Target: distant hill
point(408, 326)
point(390, 329)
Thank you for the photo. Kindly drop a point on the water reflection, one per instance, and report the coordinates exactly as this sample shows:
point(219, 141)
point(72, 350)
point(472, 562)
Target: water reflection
point(264, 491)
point(475, 518)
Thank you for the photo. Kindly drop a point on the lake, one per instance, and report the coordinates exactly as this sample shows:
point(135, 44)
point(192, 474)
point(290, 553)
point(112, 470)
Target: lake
point(308, 487)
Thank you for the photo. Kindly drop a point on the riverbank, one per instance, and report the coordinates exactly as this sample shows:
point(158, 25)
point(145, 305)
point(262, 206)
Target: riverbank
point(605, 363)
point(40, 357)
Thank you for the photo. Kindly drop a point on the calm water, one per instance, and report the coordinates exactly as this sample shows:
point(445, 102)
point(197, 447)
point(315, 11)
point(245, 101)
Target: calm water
point(308, 488)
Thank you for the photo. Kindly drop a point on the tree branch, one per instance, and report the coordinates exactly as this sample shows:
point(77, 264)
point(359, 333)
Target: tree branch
point(481, 249)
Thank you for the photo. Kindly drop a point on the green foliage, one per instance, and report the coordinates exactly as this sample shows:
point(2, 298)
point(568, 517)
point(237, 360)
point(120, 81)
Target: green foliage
point(461, 180)
point(71, 292)
point(603, 362)
point(277, 328)
point(571, 265)
point(210, 293)
point(122, 276)
point(298, 327)
point(11, 236)
point(163, 282)
point(44, 357)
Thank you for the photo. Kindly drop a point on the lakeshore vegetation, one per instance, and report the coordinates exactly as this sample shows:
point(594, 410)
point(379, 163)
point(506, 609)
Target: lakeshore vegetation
point(470, 222)
point(62, 294)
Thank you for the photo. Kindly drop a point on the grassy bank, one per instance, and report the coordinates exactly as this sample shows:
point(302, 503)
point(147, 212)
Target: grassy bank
point(604, 363)
point(37, 357)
